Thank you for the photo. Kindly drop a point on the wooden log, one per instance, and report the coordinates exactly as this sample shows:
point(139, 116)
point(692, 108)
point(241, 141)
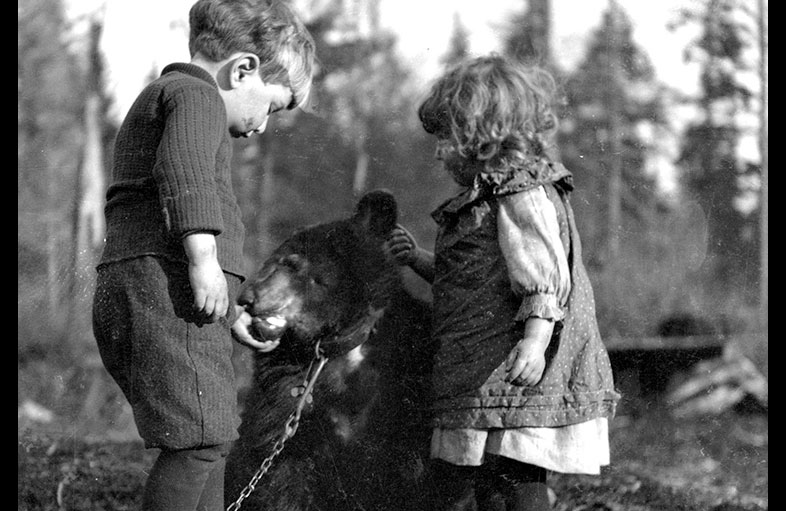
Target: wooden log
point(715, 385)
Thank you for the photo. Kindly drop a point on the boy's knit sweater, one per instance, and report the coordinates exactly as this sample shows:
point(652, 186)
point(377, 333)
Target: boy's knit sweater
point(171, 174)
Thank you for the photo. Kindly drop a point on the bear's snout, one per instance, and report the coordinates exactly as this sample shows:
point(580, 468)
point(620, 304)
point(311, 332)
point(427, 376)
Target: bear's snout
point(246, 297)
point(268, 296)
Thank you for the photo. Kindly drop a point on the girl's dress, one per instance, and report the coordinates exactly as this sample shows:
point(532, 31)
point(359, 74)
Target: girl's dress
point(508, 249)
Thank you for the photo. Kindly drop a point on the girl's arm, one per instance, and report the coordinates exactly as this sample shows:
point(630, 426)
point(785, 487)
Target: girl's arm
point(527, 361)
point(538, 269)
point(403, 248)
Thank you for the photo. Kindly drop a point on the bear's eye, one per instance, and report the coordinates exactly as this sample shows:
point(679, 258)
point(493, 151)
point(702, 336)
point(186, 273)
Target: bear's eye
point(293, 262)
point(322, 279)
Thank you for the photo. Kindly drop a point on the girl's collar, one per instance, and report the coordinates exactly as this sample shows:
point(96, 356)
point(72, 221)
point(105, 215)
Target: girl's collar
point(534, 171)
point(537, 171)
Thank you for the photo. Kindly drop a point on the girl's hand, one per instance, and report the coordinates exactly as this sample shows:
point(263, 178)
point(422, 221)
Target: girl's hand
point(527, 361)
point(401, 246)
point(240, 332)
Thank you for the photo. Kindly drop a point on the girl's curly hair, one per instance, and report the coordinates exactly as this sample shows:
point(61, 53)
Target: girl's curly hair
point(493, 109)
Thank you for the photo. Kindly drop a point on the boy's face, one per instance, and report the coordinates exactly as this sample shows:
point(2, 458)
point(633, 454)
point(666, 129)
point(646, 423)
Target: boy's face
point(251, 103)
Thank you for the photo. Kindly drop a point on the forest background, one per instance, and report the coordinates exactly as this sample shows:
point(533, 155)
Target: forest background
point(691, 248)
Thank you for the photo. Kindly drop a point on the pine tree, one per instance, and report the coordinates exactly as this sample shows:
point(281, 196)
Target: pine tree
point(712, 169)
point(613, 100)
point(612, 93)
point(319, 160)
point(50, 137)
point(764, 298)
point(529, 38)
point(458, 46)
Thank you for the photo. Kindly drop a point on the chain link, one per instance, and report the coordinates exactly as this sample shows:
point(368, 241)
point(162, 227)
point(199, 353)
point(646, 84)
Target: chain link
point(290, 427)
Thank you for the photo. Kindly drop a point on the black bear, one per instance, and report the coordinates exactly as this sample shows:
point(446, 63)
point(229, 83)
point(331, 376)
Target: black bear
point(361, 442)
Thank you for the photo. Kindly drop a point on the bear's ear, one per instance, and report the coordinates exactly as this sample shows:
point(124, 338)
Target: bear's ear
point(377, 212)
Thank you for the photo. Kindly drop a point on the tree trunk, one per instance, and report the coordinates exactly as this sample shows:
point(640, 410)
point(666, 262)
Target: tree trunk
point(763, 138)
point(531, 39)
point(90, 213)
point(615, 188)
point(540, 25)
point(615, 140)
point(88, 217)
point(53, 227)
point(266, 193)
point(360, 180)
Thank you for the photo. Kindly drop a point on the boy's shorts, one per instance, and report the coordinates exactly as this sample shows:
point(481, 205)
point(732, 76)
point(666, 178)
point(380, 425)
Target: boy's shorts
point(176, 372)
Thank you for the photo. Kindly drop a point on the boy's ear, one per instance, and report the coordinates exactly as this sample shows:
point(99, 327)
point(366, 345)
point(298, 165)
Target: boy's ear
point(244, 66)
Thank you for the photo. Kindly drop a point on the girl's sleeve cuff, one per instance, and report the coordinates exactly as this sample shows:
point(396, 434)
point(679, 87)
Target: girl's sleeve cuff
point(542, 306)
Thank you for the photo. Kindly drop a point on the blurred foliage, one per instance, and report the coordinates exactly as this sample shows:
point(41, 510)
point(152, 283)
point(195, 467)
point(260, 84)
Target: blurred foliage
point(614, 113)
point(713, 173)
point(49, 133)
point(689, 253)
point(676, 254)
point(458, 46)
point(528, 35)
point(51, 85)
point(360, 133)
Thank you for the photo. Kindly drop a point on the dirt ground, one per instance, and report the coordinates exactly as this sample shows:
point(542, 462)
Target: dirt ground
point(78, 450)
point(659, 462)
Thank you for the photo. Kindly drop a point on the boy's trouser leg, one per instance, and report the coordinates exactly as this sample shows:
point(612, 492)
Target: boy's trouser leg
point(186, 480)
point(213, 494)
point(509, 485)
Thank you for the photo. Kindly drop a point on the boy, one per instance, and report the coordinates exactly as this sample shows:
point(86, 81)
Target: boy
point(173, 254)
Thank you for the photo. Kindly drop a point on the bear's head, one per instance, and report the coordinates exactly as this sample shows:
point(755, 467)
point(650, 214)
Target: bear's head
point(327, 285)
point(328, 282)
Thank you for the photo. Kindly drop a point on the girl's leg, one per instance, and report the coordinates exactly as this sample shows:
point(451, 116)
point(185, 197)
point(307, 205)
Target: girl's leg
point(186, 480)
point(509, 485)
point(453, 486)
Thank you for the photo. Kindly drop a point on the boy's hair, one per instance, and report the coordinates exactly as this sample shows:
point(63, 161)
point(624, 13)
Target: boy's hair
point(267, 28)
point(492, 109)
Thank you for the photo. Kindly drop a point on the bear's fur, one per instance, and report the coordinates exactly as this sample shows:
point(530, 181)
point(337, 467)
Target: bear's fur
point(362, 442)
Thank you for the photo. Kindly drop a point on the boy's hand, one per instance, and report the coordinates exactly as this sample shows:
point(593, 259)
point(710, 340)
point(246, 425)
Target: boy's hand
point(242, 335)
point(209, 285)
point(207, 279)
point(401, 246)
point(527, 361)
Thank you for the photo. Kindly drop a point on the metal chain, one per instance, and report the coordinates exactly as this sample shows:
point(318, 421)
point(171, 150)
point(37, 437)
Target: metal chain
point(290, 427)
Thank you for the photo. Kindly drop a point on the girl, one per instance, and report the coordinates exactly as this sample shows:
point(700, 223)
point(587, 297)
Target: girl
point(522, 381)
